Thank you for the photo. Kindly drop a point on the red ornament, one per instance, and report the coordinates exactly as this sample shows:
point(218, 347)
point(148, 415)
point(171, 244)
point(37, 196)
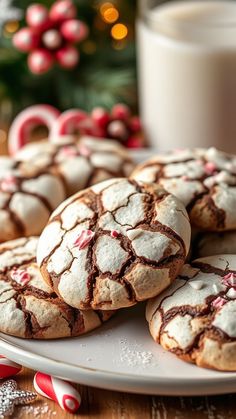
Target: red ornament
point(67, 57)
point(40, 61)
point(37, 16)
point(134, 142)
point(117, 129)
point(52, 39)
point(135, 124)
point(119, 125)
point(50, 36)
point(120, 111)
point(100, 116)
point(62, 10)
point(74, 31)
point(25, 40)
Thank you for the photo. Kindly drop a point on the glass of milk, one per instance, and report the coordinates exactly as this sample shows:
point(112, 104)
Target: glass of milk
point(187, 73)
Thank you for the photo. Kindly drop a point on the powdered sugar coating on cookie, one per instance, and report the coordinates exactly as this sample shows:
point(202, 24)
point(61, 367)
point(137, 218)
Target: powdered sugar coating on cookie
point(195, 317)
point(27, 198)
point(29, 307)
point(203, 179)
point(91, 267)
point(81, 163)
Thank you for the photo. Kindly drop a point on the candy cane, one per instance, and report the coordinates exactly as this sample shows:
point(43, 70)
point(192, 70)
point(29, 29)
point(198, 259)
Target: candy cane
point(71, 121)
point(58, 390)
point(26, 121)
point(8, 368)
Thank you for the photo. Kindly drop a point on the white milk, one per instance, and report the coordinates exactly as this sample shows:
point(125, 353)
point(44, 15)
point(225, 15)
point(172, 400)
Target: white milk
point(187, 74)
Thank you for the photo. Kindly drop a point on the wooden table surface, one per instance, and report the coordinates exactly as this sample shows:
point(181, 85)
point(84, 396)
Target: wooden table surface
point(105, 404)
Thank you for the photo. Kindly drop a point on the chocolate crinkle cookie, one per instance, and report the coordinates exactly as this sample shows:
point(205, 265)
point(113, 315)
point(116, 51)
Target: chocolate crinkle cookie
point(114, 244)
point(203, 179)
point(29, 307)
point(195, 318)
point(80, 163)
point(28, 196)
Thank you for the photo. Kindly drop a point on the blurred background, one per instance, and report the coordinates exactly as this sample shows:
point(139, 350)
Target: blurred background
point(105, 74)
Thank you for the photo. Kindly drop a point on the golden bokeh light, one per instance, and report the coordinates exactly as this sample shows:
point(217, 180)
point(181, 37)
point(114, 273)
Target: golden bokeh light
point(11, 27)
point(105, 6)
point(111, 15)
point(119, 31)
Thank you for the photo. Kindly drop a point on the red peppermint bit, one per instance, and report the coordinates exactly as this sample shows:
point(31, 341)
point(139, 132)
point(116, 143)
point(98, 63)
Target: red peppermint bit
point(184, 177)
point(84, 151)
point(68, 151)
point(20, 276)
point(229, 279)
point(114, 233)
point(83, 239)
point(219, 302)
point(9, 184)
point(210, 168)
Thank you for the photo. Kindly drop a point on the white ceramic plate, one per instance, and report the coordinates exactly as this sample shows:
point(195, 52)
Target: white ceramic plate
point(120, 355)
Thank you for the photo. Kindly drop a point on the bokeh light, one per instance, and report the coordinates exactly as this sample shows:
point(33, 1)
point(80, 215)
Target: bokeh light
point(111, 15)
point(119, 31)
point(105, 6)
point(11, 27)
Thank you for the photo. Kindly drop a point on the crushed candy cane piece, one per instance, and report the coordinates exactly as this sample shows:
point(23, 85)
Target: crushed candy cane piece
point(9, 184)
point(84, 151)
point(219, 302)
point(83, 239)
point(229, 279)
point(210, 168)
point(20, 276)
point(114, 233)
point(68, 151)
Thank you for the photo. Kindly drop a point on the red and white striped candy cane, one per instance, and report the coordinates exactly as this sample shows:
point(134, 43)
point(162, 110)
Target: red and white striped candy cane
point(71, 121)
point(26, 121)
point(58, 390)
point(8, 368)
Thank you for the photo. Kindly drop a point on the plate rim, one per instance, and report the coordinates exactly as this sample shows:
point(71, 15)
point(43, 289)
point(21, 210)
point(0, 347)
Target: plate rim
point(119, 381)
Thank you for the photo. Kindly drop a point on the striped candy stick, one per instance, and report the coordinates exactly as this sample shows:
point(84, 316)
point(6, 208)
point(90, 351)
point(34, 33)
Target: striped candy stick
point(58, 390)
point(8, 368)
point(26, 121)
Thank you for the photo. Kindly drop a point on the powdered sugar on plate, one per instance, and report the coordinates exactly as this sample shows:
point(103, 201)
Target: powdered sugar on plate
point(133, 355)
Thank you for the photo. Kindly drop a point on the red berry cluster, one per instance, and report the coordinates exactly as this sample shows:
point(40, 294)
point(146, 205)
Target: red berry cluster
point(119, 124)
point(50, 35)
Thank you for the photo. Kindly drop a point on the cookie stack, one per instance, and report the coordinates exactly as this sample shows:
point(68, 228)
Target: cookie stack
point(121, 241)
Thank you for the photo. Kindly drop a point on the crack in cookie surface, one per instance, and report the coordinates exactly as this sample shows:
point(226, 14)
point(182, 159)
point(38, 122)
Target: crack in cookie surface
point(204, 180)
point(195, 317)
point(29, 307)
point(114, 244)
